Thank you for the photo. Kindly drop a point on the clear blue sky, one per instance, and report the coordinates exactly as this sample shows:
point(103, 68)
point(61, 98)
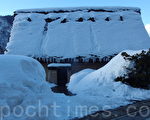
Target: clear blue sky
point(8, 6)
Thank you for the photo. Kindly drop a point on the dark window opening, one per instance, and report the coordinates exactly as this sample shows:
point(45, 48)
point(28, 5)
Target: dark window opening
point(64, 20)
point(29, 19)
point(107, 19)
point(121, 18)
point(48, 20)
point(80, 20)
point(91, 19)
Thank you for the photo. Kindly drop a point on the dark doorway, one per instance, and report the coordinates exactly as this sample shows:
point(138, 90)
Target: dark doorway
point(62, 77)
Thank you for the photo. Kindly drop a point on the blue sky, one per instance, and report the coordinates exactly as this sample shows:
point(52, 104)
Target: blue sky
point(8, 6)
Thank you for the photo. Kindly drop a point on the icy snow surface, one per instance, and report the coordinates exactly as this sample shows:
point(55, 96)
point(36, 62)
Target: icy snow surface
point(35, 37)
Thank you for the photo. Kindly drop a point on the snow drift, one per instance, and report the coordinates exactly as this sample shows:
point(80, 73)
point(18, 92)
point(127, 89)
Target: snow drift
point(26, 69)
point(22, 83)
point(72, 32)
point(101, 82)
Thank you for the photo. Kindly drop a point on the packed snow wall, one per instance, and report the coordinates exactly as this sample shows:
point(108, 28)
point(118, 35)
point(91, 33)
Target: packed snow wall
point(5, 29)
point(72, 32)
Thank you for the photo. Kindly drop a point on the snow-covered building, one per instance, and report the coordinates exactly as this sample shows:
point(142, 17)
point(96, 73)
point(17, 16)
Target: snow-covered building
point(85, 37)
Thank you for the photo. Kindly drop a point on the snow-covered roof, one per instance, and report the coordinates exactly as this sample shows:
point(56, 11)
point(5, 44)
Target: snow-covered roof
point(80, 32)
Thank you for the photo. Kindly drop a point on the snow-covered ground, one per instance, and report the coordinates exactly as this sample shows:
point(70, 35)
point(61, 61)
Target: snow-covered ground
point(23, 87)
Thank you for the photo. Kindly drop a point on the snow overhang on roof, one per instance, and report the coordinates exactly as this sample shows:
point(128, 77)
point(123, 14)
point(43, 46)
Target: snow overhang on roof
point(76, 9)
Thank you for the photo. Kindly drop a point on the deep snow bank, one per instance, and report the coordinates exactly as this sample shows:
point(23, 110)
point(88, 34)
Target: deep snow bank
point(101, 82)
point(73, 32)
point(22, 83)
point(19, 69)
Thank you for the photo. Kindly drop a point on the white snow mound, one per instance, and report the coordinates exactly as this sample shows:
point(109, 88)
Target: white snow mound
point(101, 82)
point(22, 83)
point(20, 68)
